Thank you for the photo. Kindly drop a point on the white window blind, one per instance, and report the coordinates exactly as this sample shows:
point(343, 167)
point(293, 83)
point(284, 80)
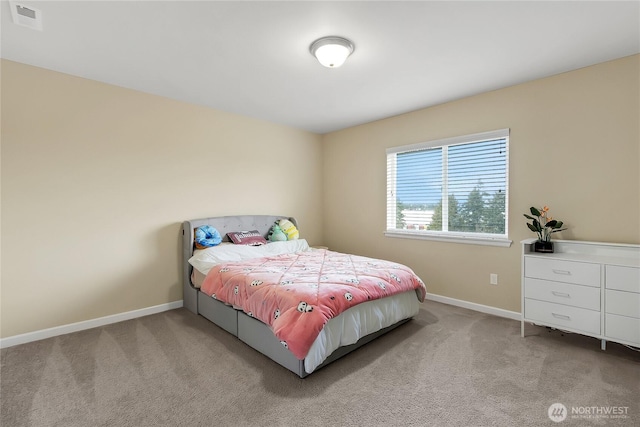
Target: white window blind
point(450, 188)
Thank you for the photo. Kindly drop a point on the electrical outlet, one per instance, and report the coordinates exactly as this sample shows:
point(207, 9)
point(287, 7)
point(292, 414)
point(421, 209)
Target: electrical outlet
point(493, 279)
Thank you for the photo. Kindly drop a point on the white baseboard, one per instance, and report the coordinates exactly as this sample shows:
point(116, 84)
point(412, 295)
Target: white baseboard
point(107, 320)
point(476, 307)
point(87, 324)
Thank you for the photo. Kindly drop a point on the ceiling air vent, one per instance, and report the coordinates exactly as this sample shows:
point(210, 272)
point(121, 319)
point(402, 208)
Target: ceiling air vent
point(26, 16)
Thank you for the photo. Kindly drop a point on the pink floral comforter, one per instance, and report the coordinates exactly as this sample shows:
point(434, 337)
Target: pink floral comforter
point(296, 294)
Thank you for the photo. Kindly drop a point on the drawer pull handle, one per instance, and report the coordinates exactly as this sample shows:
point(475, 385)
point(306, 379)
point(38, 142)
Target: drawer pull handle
point(561, 294)
point(564, 272)
point(561, 316)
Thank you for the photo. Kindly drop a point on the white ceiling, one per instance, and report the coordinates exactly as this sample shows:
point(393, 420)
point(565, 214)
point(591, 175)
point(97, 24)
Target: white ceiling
point(252, 58)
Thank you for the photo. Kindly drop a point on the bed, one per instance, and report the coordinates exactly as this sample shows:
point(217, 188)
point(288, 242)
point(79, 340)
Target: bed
point(356, 325)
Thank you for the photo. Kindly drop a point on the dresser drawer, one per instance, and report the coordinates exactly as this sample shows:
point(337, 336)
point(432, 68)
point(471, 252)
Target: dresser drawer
point(622, 303)
point(580, 273)
point(622, 278)
point(562, 293)
point(622, 328)
point(562, 316)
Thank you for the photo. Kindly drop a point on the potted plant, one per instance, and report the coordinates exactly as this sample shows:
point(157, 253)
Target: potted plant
point(543, 225)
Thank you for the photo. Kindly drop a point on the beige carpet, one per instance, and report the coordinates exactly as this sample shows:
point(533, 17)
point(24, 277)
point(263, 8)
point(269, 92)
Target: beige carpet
point(447, 367)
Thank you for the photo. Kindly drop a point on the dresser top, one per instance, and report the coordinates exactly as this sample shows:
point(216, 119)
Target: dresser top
point(594, 252)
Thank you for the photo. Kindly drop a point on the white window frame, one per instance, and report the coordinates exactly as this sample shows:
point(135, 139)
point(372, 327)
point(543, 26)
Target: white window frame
point(445, 236)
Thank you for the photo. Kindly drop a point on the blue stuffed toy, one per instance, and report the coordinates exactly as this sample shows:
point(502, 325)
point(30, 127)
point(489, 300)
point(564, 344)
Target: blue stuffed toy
point(207, 236)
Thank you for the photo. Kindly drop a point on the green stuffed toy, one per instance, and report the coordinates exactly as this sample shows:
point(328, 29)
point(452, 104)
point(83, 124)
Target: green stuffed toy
point(276, 234)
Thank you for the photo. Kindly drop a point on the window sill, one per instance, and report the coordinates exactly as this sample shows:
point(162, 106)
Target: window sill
point(451, 238)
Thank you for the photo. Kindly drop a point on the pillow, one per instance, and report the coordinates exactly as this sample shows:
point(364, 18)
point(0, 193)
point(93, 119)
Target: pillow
point(206, 236)
point(251, 238)
point(204, 260)
point(289, 229)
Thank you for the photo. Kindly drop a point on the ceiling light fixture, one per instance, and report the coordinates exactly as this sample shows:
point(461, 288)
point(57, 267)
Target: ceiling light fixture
point(331, 51)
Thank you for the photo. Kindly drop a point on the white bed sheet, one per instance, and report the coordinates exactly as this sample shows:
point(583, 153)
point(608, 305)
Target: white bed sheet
point(204, 260)
point(358, 321)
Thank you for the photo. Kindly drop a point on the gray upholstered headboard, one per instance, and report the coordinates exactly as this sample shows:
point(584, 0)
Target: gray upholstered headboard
point(224, 224)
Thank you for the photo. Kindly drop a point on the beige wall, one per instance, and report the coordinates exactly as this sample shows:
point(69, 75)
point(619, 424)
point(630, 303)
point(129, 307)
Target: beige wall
point(96, 178)
point(574, 146)
point(95, 182)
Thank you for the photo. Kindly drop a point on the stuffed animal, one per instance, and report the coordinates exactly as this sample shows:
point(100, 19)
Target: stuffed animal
point(276, 234)
point(206, 236)
point(289, 229)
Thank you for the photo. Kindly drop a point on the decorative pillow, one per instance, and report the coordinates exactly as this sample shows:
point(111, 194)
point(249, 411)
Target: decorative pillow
point(206, 236)
point(276, 234)
point(289, 229)
point(251, 238)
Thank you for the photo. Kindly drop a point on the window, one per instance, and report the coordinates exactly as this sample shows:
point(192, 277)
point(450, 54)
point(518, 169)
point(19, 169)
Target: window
point(454, 189)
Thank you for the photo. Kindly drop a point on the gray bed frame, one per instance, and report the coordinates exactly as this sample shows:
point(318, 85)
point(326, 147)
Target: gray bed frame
point(249, 330)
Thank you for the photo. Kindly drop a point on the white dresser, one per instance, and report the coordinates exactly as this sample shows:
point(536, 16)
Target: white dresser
point(590, 288)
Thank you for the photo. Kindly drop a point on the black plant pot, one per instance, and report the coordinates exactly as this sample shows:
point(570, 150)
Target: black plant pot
point(543, 246)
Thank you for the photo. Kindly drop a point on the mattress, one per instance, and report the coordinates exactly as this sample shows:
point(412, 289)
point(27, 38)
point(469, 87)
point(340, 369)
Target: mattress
point(358, 321)
point(197, 278)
